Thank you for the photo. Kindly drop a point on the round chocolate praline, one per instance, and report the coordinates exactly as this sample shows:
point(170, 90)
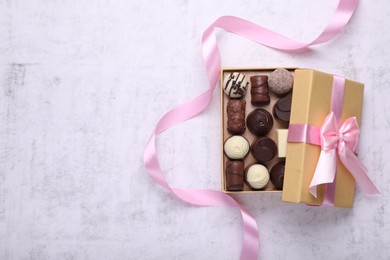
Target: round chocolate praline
point(256, 176)
point(277, 175)
point(282, 109)
point(264, 149)
point(259, 122)
point(235, 85)
point(236, 147)
point(280, 81)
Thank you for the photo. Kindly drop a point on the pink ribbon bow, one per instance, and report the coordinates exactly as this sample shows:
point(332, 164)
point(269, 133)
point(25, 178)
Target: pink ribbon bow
point(340, 143)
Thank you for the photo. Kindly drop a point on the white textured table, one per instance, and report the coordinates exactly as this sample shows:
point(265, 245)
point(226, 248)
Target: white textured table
point(84, 82)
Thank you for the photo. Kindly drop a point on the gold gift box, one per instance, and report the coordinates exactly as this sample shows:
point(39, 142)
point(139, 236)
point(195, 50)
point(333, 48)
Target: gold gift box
point(312, 93)
point(311, 99)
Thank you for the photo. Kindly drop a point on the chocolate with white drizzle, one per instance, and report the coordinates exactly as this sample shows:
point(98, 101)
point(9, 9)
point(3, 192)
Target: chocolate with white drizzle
point(235, 85)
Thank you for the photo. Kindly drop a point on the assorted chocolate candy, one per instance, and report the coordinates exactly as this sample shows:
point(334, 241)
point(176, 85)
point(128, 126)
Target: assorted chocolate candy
point(234, 175)
point(280, 81)
point(263, 146)
point(282, 109)
point(259, 122)
point(259, 90)
point(236, 147)
point(263, 149)
point(235, 85)
point(257, 176)
point(277, 175)
point(236, 116)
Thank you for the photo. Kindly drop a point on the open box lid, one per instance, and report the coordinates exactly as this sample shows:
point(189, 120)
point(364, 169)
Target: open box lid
point(311, 102)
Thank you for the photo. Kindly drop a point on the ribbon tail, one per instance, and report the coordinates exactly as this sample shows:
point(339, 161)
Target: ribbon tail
point(330, 193)
point(357, 169)
point(325, 171)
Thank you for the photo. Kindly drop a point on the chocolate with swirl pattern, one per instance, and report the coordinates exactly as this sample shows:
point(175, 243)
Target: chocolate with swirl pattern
point(259, 122)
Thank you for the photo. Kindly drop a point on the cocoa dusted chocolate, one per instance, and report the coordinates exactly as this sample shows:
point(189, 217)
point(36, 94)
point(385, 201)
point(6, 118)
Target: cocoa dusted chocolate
point(235, 85)
point(280, 81)
point(259, 122)
point(264, 149)
point(282, 109)
point(234, 175)
point(277, 175)
point(236, 116)
point(259, 90)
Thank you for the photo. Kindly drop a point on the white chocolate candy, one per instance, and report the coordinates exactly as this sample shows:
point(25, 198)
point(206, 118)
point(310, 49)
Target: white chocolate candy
point(282, 142)
point(257, 176)
point(236, 147)
point(235, 85)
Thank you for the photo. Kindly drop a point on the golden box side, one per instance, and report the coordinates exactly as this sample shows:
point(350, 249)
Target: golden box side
point(297, 172)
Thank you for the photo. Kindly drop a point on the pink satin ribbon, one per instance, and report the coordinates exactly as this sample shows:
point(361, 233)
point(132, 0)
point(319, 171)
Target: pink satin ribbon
point(261, 35)
point(336, 106)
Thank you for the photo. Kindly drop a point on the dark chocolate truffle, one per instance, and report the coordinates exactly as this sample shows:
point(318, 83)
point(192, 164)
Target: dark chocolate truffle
point(259, 90)
point(263, 149)
point(277, 175)
point(282, 109)
point(259, 122)
point(280, 81)
point(234, 175)
point(236, 116)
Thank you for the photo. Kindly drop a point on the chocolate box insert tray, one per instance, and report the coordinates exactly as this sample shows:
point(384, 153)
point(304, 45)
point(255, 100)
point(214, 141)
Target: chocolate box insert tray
point(247, 134)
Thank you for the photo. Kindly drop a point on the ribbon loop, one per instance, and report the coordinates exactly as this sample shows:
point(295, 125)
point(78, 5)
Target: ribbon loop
point(340, 143)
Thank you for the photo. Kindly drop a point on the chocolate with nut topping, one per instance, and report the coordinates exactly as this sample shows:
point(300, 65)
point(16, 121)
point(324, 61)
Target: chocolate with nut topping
point(236, 116)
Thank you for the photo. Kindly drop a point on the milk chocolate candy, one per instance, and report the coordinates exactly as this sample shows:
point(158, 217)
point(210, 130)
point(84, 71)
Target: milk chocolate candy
point(259, 90)
point(282, 109)
point(234, 175)
point(264, 149)
point(277, 175)
point(236, 116)
point(259, 122)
